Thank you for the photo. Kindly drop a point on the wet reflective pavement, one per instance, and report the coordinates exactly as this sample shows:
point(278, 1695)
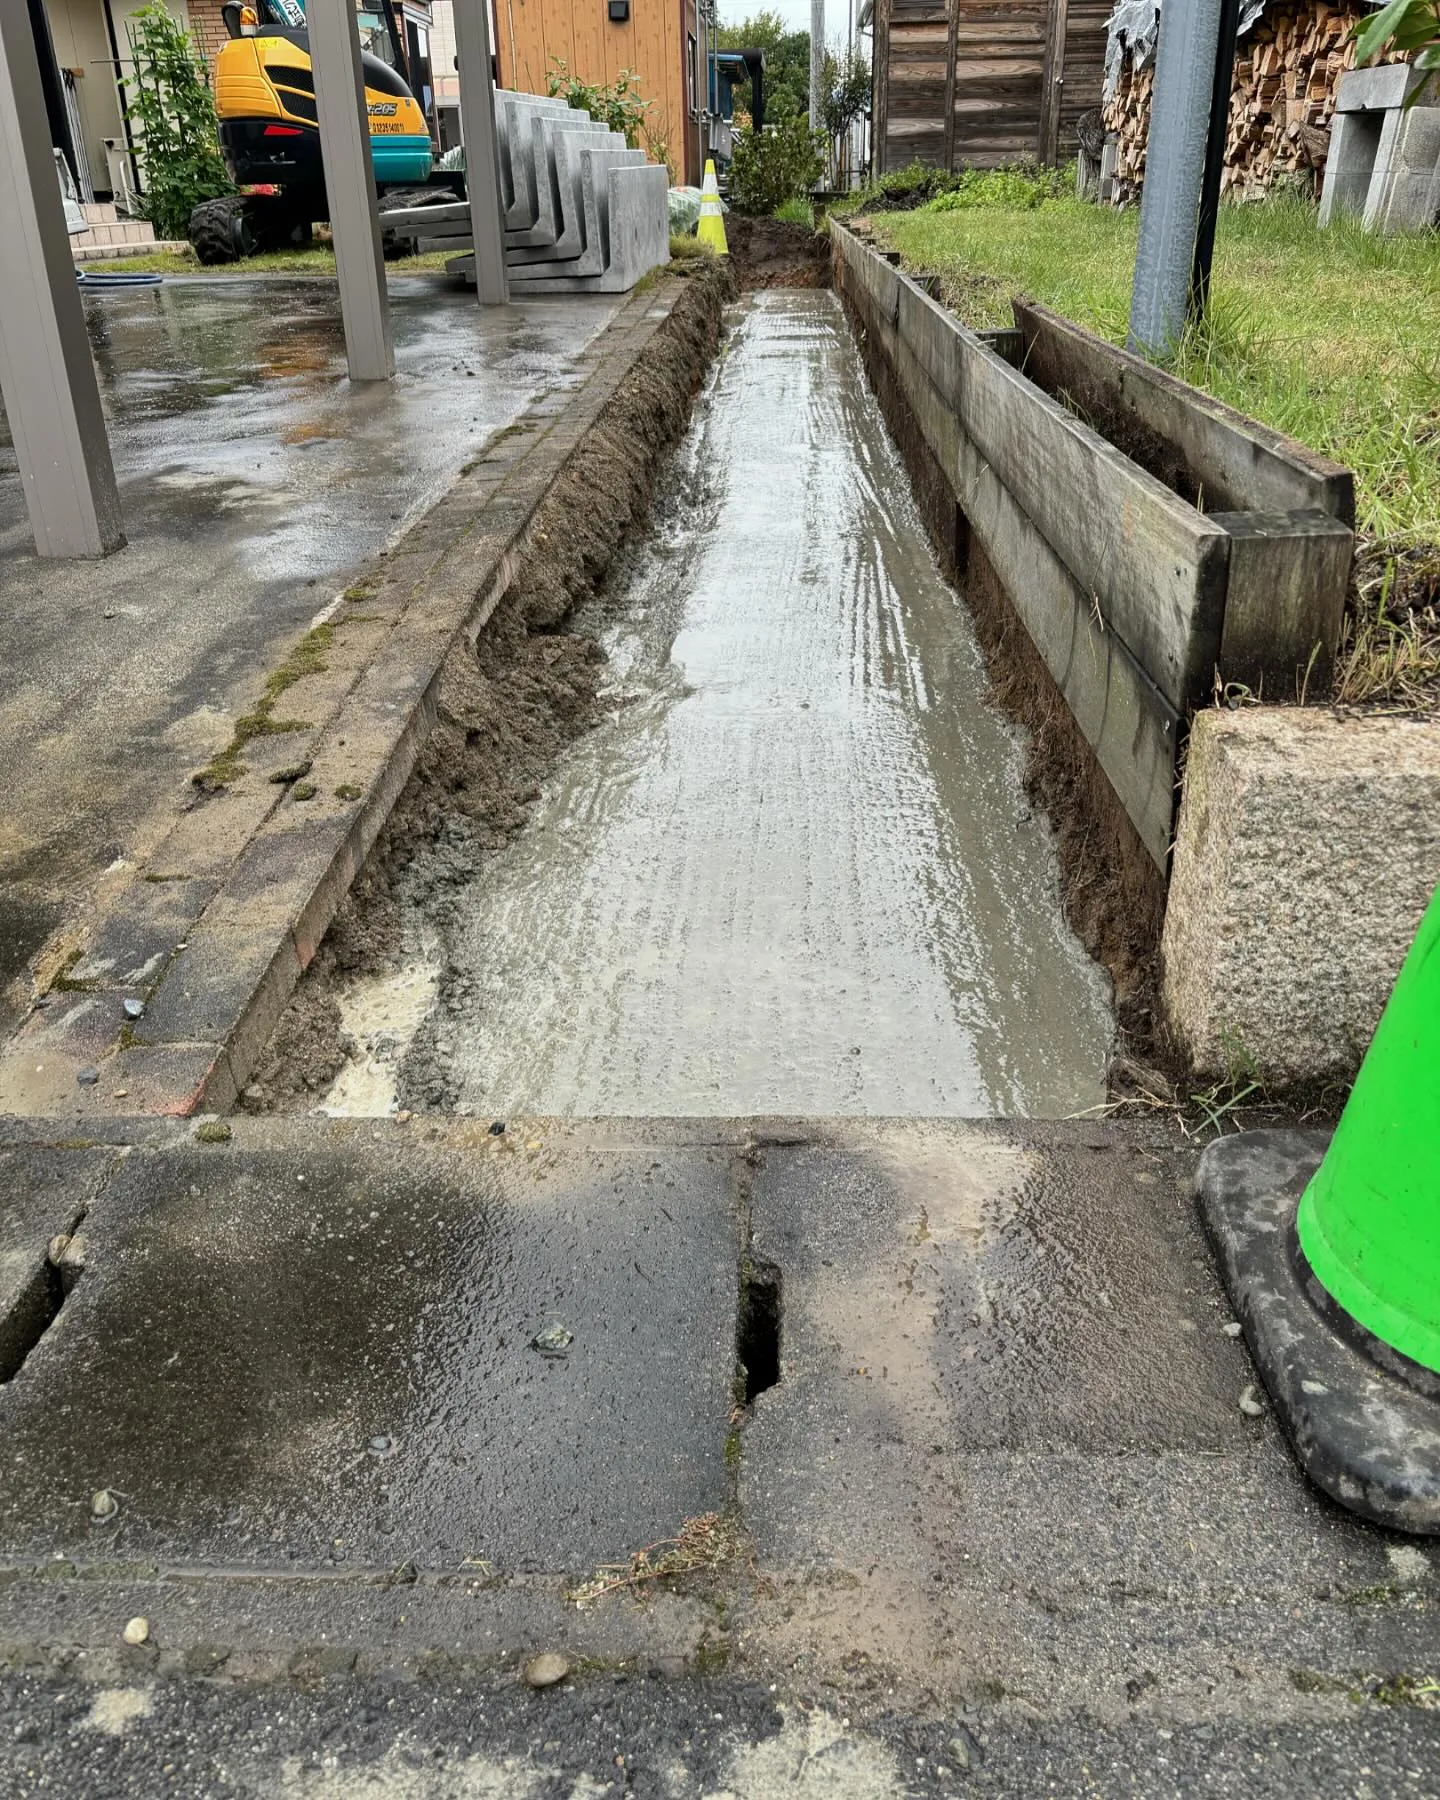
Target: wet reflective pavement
point(1002, 1476)
point(796, 871)
point(322, 1352)
point(254, 479)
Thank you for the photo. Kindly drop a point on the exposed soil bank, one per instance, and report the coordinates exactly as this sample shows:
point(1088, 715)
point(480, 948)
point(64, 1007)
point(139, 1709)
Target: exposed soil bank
point(507, 706)
point(771, 253)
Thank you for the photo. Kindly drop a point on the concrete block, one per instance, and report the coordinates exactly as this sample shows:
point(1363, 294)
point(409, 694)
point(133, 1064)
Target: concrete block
point(638, 208)
point(1384, 158)
point(1307, 850)
point(240, 1258)
point(1407, 167)
point(514, 116)
point(44, 1192)
point(1350, 164)
point(1109, 165)
point(551, 171)
point(593, 255)
point(1376, 90)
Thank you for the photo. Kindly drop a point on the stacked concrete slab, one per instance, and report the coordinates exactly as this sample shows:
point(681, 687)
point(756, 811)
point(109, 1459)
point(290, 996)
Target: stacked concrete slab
point(1384, 160)
point(584, 213)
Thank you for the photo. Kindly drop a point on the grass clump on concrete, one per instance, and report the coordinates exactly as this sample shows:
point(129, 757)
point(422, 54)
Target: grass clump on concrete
point(703, 1547)
point(307, 658)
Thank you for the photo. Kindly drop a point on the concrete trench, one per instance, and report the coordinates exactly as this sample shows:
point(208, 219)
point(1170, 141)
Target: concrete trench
point(793, 868)
point(706, 1155)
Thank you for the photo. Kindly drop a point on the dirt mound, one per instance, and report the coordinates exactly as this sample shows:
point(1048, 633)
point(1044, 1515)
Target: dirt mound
point(773, 253)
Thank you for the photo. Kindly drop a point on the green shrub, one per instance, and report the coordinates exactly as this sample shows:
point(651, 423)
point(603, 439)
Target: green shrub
point(1010, 190)
point(903, 190)
point(775, 165)
point(618, 106)
point(900, 191)
point(172, 121)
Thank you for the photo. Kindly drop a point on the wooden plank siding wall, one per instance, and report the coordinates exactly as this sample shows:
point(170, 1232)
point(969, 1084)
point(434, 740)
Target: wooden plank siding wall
point(653, 43)
point(979, 83)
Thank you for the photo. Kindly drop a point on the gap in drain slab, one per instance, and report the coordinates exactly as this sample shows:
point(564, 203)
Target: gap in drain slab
point(34, 1311)
point(757, 1327)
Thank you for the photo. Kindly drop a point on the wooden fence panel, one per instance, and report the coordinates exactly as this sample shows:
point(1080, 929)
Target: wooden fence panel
point(964, 83)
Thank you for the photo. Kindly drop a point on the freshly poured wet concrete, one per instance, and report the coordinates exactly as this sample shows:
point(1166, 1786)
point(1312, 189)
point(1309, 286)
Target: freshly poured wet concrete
point(796, 871)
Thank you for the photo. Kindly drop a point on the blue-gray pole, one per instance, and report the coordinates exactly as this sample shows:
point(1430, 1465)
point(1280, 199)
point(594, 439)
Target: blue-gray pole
point(52, 399)
point(350, 188)
point(1174, 170)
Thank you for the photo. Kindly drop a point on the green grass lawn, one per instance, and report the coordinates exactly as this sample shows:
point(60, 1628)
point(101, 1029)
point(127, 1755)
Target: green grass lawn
point(1331, 336)
point(317, 261)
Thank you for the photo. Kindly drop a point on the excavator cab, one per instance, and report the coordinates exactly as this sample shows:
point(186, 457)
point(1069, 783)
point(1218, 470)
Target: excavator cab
point(270, 134)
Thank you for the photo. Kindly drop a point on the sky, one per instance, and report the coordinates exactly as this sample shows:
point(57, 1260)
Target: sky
point(795, 13)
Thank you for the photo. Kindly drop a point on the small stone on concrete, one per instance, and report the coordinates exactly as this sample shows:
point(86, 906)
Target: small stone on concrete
point(88, 1077)
point(137, 1631)
point(546, 1670)
point(103, 1504)
point(1250, 1402)
point(964, 1751)
point(134, 1009)
point(554, 1340)
point(1233, 1329)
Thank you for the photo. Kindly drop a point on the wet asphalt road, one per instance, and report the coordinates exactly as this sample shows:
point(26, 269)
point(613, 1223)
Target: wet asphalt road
point(253, 478)
point(656, 1739)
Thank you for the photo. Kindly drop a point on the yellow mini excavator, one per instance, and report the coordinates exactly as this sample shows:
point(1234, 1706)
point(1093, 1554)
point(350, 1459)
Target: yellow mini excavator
point(270, 136)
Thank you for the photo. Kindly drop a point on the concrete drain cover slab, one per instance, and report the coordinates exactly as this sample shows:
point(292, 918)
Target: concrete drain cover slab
point(332, 1344)
point(955, 1295)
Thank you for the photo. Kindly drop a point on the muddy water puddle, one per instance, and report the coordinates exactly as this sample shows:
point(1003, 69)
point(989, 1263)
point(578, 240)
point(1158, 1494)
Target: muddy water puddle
point(795, 870)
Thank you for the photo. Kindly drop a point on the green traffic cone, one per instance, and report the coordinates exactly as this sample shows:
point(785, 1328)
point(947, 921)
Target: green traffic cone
point(1369, 1221)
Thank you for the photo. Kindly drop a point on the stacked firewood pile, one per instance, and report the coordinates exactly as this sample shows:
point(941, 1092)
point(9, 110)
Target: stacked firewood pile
point(1287, 70)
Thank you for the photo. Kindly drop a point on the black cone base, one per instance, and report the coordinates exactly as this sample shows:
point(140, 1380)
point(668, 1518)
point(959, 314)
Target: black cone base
point(1363, 1435)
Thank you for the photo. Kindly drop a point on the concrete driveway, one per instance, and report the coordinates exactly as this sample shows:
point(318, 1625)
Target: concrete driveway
point(254, 479)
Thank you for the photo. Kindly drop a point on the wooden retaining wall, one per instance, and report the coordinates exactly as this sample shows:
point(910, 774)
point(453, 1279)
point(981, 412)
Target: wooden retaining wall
point(1137, 596)
point(975, 84)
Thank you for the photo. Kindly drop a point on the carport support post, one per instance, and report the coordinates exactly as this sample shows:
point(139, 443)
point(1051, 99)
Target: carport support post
point(350, 187)
point(482, 163)
point(52, 399)
point(1174, 170)
point(817, 63)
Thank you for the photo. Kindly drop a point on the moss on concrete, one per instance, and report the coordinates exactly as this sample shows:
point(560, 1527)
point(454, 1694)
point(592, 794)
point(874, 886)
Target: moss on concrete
point(307, 658)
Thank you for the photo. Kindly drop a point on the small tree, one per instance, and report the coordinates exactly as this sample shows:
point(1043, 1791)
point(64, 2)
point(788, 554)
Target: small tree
point(172, 118)
point(617, 105)
point(787, 64)
point(844, 95)
point(775, 165)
